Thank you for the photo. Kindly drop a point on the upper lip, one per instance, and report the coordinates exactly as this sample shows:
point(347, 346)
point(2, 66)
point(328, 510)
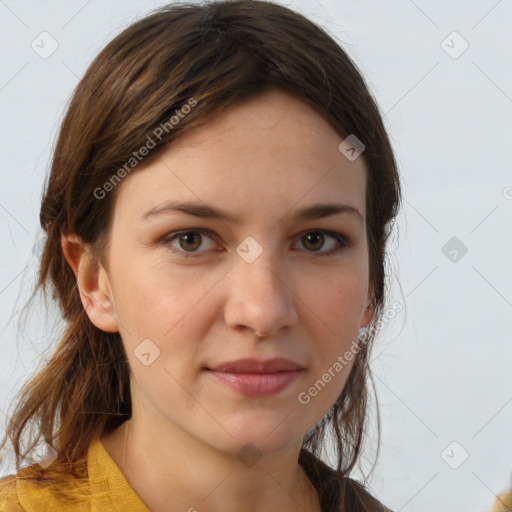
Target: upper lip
point(275, 365)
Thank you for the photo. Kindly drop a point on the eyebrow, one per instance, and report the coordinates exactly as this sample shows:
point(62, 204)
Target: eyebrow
point(204, 211)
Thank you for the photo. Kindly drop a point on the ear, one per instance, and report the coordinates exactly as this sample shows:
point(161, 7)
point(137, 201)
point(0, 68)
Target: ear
point(93, 283)
point(369, 310)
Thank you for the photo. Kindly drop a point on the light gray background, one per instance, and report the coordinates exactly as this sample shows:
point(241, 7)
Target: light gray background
point(443, 365)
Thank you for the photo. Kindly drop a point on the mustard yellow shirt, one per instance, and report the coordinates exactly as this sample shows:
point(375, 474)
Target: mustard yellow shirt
point(110, 490)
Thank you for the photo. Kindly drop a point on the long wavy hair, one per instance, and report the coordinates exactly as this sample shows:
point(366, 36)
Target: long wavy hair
point(219, 53)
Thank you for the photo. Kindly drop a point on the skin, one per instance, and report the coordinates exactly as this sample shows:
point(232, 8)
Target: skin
point(260, 161)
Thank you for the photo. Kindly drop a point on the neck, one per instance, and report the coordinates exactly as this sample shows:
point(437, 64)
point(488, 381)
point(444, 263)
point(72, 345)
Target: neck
point(180, 473)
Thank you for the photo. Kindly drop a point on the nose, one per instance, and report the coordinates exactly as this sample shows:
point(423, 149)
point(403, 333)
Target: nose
point(260, 296)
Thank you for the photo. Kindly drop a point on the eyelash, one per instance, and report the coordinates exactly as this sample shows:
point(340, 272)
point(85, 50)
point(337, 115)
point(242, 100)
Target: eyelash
point(341, 239)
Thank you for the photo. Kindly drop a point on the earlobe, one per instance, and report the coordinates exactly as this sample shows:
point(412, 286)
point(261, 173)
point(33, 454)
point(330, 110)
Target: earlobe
point(92, 283)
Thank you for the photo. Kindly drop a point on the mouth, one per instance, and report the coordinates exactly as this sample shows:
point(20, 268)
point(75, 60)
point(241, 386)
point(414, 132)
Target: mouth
point(257, 384)
point(256, 378)
point(275, 365)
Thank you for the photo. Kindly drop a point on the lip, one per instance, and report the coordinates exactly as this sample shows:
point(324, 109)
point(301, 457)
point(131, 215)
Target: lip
point(278, 364)
point(257, 384)
point(256, 378)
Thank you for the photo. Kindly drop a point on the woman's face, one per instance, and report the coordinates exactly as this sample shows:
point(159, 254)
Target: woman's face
point(186, 304)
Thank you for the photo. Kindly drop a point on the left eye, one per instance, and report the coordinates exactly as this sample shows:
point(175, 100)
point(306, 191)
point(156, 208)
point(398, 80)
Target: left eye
point(190, 240)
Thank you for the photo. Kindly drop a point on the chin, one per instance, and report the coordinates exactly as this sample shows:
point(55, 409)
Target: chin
point(260, 436)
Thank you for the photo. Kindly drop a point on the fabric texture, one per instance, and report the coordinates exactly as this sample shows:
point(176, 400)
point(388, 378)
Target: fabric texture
point(110, 490)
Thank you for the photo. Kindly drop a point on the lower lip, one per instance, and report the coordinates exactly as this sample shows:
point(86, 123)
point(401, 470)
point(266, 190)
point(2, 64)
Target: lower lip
point(258, 384)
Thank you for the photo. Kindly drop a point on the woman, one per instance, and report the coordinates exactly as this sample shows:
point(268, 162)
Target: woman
point(217, 213)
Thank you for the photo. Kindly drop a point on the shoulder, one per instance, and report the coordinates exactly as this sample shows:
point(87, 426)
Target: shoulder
point(28, 489)
point(9, 501)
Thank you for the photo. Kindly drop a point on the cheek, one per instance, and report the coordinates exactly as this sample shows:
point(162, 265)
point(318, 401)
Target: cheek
point(154, 297)
point(336, 301)
point(337, 308)
point(172, 311)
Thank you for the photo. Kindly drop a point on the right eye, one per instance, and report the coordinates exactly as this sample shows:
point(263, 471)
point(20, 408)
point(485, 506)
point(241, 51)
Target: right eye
point(187, 239)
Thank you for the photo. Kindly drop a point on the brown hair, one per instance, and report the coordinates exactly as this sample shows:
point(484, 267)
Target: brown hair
point(220, 54)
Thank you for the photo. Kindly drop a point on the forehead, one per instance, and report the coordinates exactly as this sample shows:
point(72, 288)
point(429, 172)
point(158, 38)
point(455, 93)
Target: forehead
point(267, 155)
